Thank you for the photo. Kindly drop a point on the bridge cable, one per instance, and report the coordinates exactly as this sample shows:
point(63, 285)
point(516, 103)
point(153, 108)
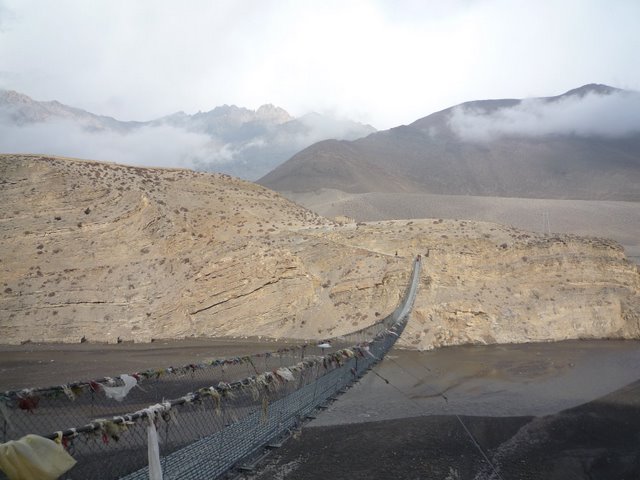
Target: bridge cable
point(471, 436)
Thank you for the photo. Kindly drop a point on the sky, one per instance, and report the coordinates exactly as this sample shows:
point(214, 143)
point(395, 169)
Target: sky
point(380, 62)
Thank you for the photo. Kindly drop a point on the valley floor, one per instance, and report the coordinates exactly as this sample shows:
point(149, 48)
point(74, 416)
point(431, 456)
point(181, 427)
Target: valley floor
point(43, 365)
point(566, 410)
point(493, 380)
point(619, 221)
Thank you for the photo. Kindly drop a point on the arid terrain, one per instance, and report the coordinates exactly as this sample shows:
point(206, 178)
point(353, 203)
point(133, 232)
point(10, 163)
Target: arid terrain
point(488, 148)
point(320, 240)
point(45, 364)
point(103, 252)
point(617, 220)
point(508, 161)
point(524, 411)
point(105, 258)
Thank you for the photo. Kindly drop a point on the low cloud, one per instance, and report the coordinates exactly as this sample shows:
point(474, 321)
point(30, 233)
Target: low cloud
point(612, 116)
point(157, 146)
point(251, 154)
point(321, 127)
point(6, 16)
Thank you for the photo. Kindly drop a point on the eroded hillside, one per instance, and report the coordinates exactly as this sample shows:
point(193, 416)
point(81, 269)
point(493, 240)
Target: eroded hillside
point(485, 283)
point(106, 252)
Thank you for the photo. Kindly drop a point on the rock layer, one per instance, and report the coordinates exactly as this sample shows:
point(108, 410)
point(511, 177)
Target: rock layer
point(104, 252)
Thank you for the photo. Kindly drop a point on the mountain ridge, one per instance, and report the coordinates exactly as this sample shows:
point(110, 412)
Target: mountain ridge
point(227, 139)
point(108, 252)
point(433, 155)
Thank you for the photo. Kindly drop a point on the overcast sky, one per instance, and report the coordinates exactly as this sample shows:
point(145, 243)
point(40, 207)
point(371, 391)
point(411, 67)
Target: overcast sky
point(380, 62)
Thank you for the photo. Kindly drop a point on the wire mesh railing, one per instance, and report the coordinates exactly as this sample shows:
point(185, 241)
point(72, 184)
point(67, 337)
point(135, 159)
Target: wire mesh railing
point(234, 407)
point(45, 410)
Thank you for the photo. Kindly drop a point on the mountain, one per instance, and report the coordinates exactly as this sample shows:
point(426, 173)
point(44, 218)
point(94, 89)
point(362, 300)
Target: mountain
point(228, 139)
point(19, 109)
point(583, 144)
point(251, 143)
point(106, 251)
point(103, 252)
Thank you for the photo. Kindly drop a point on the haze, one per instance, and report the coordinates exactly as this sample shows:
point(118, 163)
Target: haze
point(614, 115)
point(379, 62)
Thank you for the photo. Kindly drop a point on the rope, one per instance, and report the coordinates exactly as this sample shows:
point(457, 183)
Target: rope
point(471, 436)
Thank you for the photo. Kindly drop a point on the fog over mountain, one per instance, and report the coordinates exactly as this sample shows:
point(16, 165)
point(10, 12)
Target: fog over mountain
point(584, 144)
point(228, 139)
point(594, 111)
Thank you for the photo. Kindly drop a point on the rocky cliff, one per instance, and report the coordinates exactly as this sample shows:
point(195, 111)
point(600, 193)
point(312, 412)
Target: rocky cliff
point(105, 252)
point(485, 283)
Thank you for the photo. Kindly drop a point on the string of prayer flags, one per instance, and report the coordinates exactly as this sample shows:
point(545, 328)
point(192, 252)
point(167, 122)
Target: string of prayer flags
point(119, 393)
point(153, 449)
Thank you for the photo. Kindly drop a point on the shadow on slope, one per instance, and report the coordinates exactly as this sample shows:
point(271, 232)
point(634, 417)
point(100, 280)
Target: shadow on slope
point(597, 440)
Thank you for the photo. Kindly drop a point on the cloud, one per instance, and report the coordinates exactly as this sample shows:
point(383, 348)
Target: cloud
point(157, 146)
point(382, 62)
point(6, 16)
point(321, 127)
point(614, 115)
point(252, 153)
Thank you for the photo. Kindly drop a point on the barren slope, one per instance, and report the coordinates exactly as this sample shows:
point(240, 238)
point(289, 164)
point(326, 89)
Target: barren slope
point(431, 156)
point(619, 221)
point(104, 251)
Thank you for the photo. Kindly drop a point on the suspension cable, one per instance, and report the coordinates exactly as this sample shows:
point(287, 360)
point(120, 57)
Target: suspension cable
point(441, 394)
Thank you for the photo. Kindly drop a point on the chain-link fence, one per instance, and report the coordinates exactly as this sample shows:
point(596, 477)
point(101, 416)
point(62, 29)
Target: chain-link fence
point(45, 410)
point(234, 407)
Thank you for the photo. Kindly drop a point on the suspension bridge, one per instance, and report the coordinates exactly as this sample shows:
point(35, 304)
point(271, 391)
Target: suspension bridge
point(234, 411)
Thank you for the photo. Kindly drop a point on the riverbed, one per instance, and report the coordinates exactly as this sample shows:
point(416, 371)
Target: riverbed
point(531, 411)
